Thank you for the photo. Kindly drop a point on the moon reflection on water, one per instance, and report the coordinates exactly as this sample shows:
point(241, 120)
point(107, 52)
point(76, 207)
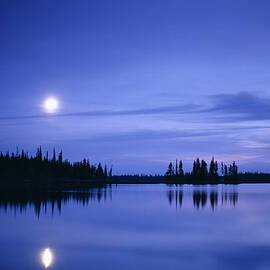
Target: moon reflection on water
point(46, 257)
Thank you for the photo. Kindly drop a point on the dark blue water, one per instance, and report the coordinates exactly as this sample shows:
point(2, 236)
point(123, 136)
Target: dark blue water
point(140, 227)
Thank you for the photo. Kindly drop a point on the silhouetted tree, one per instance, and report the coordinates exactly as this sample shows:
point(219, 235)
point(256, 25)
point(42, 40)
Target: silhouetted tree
point(110, 173)
point(225, 170)
point(213, 170)
point(196, 168)
point(170, 171)
point(203, 170)
point(233, 172)
point(105, 171)
point(54, 156)
point(60, 157)
point(176, 168)
point(181, 171)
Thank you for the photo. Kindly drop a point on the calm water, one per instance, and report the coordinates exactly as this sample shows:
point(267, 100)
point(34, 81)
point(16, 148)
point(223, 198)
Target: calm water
point(139, 227)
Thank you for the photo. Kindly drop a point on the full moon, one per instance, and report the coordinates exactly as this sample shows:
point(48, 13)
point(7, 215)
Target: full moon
point(51, 105)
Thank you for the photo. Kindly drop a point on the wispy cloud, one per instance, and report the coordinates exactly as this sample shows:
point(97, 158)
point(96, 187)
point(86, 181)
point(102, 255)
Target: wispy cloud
point(241, 106)
point(144, 135)
point(181, 109)
point(152, 135)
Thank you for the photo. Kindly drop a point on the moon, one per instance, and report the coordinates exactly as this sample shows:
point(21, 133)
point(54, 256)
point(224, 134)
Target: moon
point(51, 105)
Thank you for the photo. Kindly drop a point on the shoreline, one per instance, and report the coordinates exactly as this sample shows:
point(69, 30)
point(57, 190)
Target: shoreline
point(79, 184)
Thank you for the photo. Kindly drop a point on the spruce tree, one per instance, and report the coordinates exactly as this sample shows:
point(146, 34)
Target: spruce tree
point(181, 171)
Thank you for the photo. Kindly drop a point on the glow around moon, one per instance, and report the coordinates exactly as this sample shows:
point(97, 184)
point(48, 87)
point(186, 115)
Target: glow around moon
point(46, 257)
point(51, 105)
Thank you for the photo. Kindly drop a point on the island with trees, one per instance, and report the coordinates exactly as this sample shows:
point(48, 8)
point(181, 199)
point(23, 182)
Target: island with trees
point(215, 173)
point(200, 173)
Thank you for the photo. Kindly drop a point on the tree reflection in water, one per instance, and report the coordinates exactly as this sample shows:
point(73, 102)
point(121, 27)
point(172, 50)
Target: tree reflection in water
point(203, 196)
point(43, 201)
point(48, 202)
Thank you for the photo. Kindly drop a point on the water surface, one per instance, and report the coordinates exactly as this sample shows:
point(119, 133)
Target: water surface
point(139, 227)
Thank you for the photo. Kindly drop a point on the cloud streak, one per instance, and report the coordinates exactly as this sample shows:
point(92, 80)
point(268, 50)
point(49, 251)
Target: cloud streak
point(151, 135)
point(184, 109)
point(241, 106)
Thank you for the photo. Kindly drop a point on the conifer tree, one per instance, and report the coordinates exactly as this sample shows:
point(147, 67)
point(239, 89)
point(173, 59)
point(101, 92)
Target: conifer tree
point(54, 156)
point(105, 171)
point(181, 171)
point(203, 170)
point(196, 168)
point(225, 170)
point(110, 173)
point(170, 171)
point(60, 157)
point(212, 167)
point(222, 168)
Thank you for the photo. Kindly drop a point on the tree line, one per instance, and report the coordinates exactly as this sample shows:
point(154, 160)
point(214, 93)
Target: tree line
point(201, 174)
point(23, 166)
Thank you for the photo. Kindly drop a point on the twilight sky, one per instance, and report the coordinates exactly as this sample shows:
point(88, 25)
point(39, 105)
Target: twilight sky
point(139, 83)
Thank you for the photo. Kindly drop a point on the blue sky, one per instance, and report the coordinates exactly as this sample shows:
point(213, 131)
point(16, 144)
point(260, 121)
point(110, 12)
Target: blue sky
point(139, 83)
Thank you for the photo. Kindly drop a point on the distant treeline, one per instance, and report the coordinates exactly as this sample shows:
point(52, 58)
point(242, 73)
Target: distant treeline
point(22, 166)
point(200, 173)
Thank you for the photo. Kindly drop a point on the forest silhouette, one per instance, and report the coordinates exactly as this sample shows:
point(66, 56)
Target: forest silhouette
point(200, 174)
point(18, 166)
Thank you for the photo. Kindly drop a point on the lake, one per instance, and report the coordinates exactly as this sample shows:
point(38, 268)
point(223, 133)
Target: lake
point(138, 227)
